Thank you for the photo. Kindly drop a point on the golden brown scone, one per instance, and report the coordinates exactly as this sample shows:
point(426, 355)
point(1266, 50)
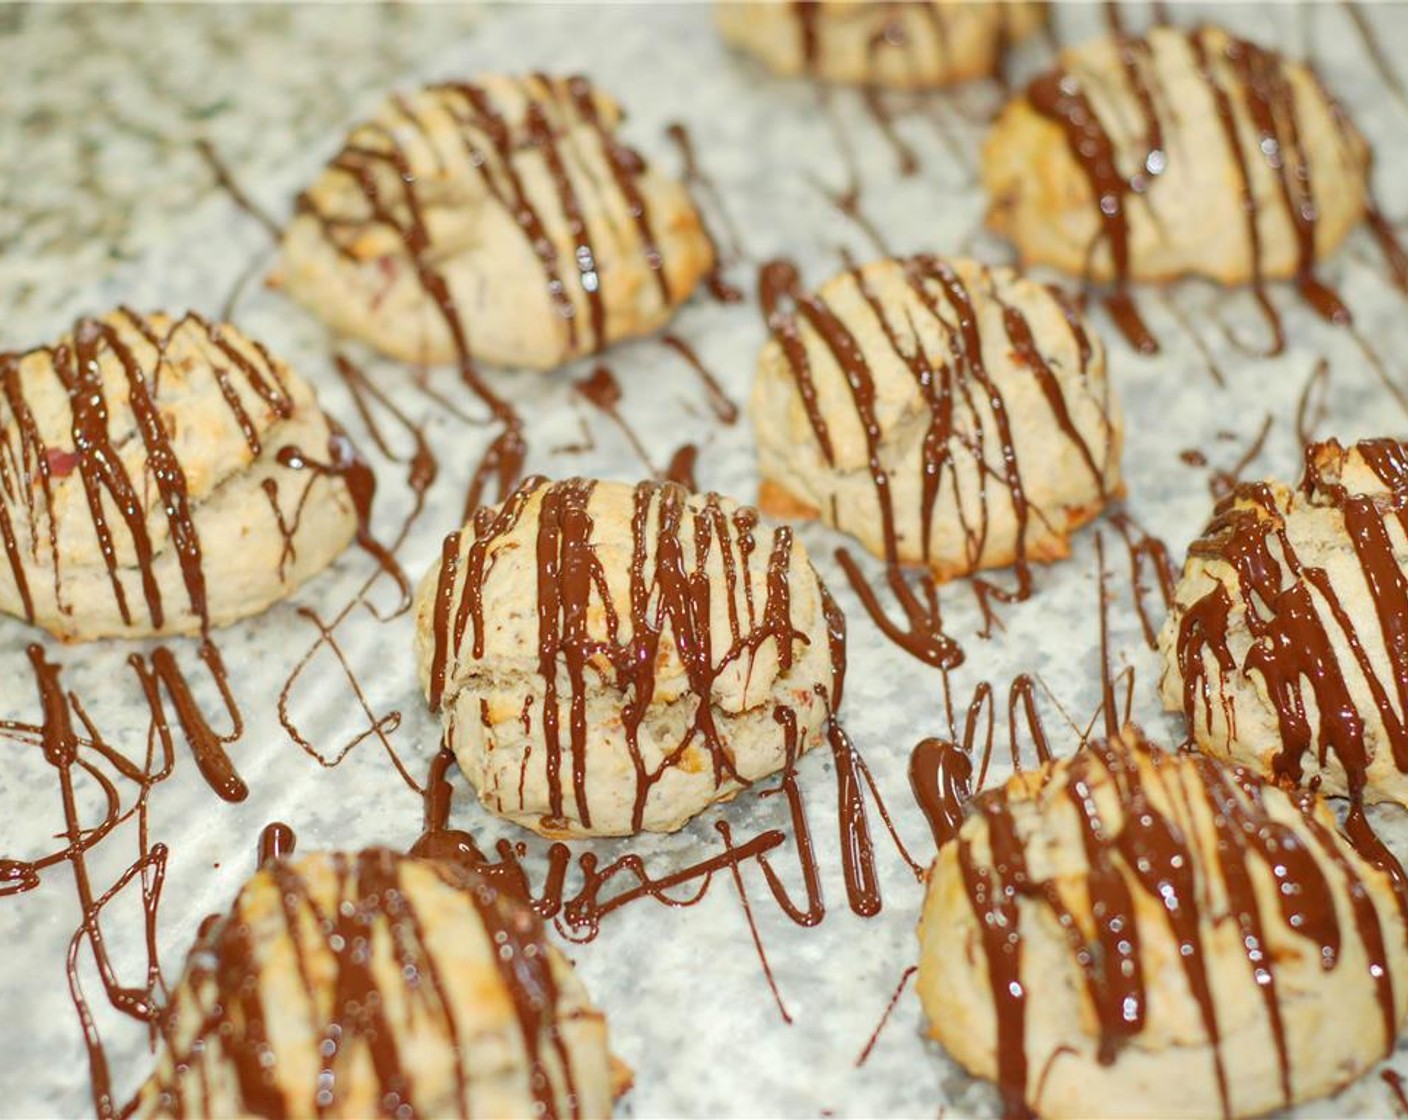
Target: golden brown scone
point(945, 414)
point(1204, 155)
point(609, 658)
point(507, 209)
point(880, 42)
point(159, 475)
point(376, 984)
point(1132, 932)
point(1285, 646)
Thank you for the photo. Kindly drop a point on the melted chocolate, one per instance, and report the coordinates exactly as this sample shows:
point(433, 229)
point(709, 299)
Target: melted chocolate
point(227, 183)
point(1260, 84)
point(668, 594)
point(1146, 552)
point(98, 463)
point(719, 400)
point(369, 897)
point(1294, 649)
point(700, 183)
point(1147, 851)
point(603, 391)
point(276, 841)
point(944, 386)
point(681, 468)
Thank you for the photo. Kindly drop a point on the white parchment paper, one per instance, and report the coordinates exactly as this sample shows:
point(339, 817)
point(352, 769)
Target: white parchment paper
point(684, 989)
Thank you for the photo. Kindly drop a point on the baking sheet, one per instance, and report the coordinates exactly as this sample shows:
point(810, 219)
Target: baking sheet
point(689, 1005)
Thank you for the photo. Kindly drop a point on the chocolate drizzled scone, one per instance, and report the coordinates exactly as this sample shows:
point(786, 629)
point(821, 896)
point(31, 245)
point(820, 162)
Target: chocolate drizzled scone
point(945, 414)
point(507, 209)
point(1132, 932)
point(378, 985)
point(610, 658)
point(880, 42)
point(1182, 152)
point(160, 476)
point(1285, 646)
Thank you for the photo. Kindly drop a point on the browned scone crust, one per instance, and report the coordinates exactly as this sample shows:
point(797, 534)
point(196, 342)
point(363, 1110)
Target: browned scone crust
point(1205, 154)
point(160, 476)
point(979, 396)
point(1136, 933)
point(511, 200)
point(352, 985)
point(1284, 646)
point(916, 45)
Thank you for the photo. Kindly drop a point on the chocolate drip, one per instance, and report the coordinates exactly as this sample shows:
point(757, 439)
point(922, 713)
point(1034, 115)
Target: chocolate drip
point(98, 462)
point(72, 745)
point(1394, 1080)
point(373, 169)
point(939, 773)
point(667, 593)
point(227, 183)
point(700, 183)
point(1059, 97)
point(1260, 84)
point(1295, 648)
point(719, 400)
point(603, 391)
point(345, 463)
point(949, 389)
point(681, 468)
point(1146, 552)
point(1146, 849)
point(276, 841)
point(207, 746)
point(368, 895)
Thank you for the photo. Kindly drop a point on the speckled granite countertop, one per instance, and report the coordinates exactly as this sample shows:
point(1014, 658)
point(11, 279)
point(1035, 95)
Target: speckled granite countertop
point(106, 198)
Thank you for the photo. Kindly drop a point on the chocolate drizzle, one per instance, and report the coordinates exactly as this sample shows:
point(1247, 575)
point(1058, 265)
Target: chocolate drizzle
point(1299, 624)
point(950, 386)
point(1145, 848)
point(724, 408)
point(668, 594)
point(333, 929)
point(1236, 73)
point(700, 183)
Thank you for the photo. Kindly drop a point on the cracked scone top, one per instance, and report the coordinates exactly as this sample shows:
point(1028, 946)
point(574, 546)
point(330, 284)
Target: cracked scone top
point(159, 476)
point(502, 219)
point(609, 658)
point(1133, 932)
point(1285, 645)
point(350, 985)
point(1181, 152)
point(945, 414)
point(880, 42)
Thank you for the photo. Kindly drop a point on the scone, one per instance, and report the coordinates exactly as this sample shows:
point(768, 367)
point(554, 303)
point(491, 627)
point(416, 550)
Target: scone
point(1183, 152)
point(1285, 645)
point(610, 658)
point(507, 212)
point(160, 476)
point(1132, 932)
point(944, 414)
point(373, 984)
point(880, 42)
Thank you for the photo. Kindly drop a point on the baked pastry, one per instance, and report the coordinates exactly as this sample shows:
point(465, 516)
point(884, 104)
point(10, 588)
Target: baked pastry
point(945, 414)
point(160, 476)
point(507, 211)
point(1285, 643)
point(880, 42)
point(610, 658)
point(1181, 152)
point(376, 984)
point(1131, 932)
